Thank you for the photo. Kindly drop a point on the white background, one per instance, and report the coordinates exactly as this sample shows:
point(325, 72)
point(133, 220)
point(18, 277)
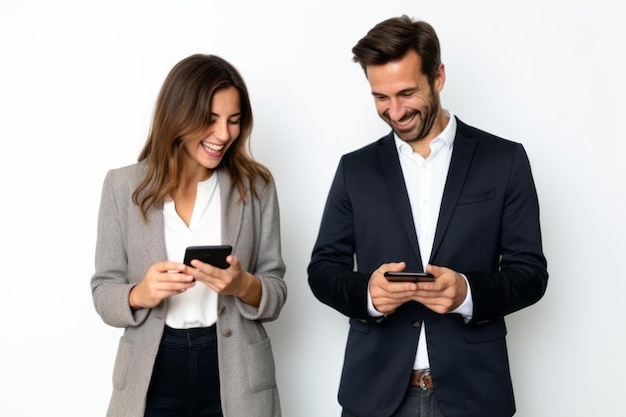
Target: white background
point(78, 80)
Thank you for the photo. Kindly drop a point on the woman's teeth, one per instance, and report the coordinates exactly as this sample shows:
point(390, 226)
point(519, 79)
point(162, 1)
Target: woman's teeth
point(212, 146)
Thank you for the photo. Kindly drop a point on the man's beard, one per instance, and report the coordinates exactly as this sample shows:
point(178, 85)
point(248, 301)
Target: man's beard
point(426, 122)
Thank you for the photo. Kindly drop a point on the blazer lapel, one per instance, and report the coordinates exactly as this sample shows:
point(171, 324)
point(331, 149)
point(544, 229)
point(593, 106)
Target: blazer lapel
point(155, 236)
point(392, 171)
point(232, 213)
point(232, 210)
point(464, 146)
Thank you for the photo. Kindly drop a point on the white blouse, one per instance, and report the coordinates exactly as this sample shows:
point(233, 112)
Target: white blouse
point(196, 307)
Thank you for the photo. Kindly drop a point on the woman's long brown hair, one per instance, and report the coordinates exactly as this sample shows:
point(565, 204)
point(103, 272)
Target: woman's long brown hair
point(183, 109)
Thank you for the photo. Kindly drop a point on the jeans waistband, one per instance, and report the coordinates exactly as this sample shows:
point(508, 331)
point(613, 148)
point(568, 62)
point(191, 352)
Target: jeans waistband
point(194, 337)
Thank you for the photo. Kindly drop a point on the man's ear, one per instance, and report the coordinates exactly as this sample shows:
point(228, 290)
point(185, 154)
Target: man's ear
point(440, 78)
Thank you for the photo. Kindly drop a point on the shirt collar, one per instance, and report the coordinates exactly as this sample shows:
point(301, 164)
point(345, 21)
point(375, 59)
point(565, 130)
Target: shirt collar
point(446, 136)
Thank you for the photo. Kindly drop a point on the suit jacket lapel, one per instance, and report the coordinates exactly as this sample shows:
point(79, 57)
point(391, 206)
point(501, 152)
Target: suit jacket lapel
point(464, 146)
point(392, 171)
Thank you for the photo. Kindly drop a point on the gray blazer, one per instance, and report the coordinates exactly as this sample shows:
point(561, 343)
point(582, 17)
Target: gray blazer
point(126, 247)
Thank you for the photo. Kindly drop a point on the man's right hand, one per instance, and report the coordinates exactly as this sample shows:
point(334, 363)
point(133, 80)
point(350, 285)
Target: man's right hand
point(388, 296)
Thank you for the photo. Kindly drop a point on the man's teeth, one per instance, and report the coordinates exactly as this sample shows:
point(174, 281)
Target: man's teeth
point(406, 122)
point(212, 146)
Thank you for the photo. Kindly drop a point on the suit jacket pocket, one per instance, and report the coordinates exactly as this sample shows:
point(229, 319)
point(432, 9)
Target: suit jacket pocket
point(361, 326)
point(471, 198)
point(486, 332)
point(121, 363)
point(261, 366)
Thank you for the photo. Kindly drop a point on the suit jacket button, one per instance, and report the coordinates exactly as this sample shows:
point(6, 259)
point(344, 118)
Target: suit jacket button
point(226, 332)
point(416, 323)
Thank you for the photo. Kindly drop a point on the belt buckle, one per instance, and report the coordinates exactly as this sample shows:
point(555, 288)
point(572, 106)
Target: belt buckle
point(423, 380)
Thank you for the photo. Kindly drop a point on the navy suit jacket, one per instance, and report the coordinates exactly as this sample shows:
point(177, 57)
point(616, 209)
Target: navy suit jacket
point(488, 229)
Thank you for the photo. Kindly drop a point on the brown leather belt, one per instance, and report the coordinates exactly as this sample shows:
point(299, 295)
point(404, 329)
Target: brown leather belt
point(422, 379)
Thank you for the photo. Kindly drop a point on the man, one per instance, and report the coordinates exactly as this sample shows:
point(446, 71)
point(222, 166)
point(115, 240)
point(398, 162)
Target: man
point(434, 195)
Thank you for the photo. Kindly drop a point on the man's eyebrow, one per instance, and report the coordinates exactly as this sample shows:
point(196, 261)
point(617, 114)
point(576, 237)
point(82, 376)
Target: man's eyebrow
point(403, 91)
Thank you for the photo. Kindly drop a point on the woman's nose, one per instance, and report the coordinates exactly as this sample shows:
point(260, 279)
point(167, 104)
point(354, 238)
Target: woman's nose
point(221, 131)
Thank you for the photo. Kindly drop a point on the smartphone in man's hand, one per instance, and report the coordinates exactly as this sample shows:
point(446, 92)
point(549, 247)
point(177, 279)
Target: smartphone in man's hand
point(405, 276)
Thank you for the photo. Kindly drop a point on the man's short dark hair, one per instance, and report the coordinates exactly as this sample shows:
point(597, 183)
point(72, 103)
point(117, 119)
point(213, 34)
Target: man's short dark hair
point(391, 39)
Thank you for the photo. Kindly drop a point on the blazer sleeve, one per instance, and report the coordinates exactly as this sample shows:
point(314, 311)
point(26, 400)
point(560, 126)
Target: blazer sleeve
point(110, 285)
point(268, 264)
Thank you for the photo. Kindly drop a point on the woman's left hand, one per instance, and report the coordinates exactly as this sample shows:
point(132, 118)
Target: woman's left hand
point(231, 281)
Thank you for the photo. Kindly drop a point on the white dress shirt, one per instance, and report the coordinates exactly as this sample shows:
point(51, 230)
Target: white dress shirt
point(196, 307)
point(425, 179)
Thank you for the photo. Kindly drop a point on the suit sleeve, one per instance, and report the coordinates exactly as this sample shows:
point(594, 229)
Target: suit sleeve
point(522, 277)
point(331, 271)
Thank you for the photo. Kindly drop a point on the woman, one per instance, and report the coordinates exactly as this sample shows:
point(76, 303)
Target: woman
point(193, 341)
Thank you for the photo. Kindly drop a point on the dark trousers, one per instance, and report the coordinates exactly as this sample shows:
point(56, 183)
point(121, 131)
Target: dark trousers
point(416, 403)
point(185, 380)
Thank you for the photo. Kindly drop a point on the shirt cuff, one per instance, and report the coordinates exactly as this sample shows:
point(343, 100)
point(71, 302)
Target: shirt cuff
point(371, 310)
point(466, 309)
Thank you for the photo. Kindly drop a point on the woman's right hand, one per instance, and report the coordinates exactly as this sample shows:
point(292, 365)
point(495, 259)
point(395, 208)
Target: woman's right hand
point(162, 280)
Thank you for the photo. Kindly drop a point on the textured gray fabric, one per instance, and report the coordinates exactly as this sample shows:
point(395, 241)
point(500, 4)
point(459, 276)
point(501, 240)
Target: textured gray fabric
point(126, 247)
